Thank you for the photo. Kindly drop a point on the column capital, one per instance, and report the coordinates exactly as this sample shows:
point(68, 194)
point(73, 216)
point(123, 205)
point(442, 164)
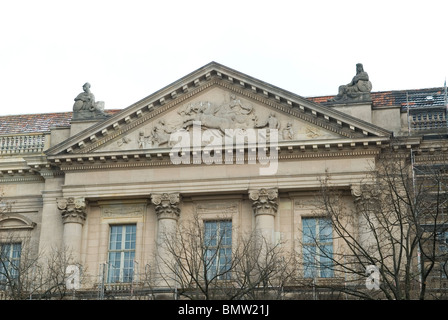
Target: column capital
point(73, 210)
point(265, 201)
point(166, 205)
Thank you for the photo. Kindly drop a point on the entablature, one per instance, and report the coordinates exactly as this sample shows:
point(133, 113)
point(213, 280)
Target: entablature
point(163, 156)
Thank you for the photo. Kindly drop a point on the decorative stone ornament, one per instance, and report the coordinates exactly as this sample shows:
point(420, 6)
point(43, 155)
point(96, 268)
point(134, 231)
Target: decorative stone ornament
point(358, 90)
point(166, 205)
point(365, 193)
point(73, 210)
point(85, 106)
point(264, 201)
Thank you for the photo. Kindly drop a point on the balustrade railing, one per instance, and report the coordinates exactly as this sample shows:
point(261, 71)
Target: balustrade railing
point(22, 143)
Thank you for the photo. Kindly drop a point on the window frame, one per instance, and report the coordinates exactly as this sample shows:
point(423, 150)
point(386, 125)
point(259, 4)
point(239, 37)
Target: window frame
point(220, 268)
point(124, 272)
point(316, 267)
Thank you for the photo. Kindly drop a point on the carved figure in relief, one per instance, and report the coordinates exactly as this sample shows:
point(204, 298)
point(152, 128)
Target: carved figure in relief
point(122, 141)
point(312, 132)
point(238, 107)
point(205, 113)
point(240, 113)
point(273, 122)
point(160, 134)
point(288, 132)
point(142, 140)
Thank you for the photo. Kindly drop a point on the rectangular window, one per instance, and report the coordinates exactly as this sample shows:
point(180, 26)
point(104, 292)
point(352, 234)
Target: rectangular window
point(9, 261)
point(121, 253)
point(317, 240)
point(218, 249)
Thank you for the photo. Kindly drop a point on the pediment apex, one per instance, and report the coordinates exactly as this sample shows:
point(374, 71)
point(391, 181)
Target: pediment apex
point(215, 74)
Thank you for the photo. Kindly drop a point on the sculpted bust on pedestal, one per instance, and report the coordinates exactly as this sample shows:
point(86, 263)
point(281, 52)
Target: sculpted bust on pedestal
point(86, 107)
point(358, 90)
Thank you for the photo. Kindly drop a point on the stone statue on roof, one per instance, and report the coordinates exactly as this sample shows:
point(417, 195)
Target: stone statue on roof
point(86, 107)
point(358, 90)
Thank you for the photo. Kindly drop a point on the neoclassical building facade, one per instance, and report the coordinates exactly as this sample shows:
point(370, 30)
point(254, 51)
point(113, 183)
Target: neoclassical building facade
point(236, 152)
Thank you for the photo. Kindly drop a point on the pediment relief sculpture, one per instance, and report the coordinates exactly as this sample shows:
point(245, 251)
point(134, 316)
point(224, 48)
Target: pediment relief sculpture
point(217, 116)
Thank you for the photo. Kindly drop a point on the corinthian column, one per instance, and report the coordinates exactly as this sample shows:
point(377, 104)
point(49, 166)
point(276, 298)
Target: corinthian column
point(265, 204)
point(168, 212)
point(73, 211)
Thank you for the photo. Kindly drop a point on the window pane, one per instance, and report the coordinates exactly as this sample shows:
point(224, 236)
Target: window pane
point(10, 260)
point(309, 263)
point(218, 242)
point(317, 247)
point(210, 233)
point(326, 263)
point(325, 230)
point(309, 230)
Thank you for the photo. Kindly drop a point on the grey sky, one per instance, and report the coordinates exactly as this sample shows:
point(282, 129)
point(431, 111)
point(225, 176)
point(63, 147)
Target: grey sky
point(130, 49)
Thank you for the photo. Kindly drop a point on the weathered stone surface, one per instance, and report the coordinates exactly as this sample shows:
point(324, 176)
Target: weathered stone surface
point(85, 106)
point(358, 90)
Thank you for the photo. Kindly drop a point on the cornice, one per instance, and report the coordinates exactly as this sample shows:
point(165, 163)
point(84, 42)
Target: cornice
point(28, 173)
point(163, 159)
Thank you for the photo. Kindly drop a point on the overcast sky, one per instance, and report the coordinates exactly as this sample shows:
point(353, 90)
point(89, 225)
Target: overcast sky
point(129, 49)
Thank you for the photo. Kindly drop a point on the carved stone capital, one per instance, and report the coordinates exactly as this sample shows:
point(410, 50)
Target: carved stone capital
point(265, 201)
point(73, 210)
point(166, 205)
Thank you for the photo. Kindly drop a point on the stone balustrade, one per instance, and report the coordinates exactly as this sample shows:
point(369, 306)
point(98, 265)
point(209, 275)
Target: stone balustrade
point(22, 144)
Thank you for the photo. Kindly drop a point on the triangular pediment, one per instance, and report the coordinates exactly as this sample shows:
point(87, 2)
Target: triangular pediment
point(219, 112)
point(221, 98)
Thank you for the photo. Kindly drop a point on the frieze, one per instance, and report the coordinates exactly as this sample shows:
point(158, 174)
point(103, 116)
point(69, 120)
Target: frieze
point(122, 211)
point(217, 207)
point(304, 203)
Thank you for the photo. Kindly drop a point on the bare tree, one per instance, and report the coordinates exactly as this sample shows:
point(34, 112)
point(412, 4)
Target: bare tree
point(391, 242)
point(206, 264)
point(25, 275)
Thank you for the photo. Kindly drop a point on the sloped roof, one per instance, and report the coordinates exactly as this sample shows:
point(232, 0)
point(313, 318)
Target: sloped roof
point(40, 122)
point(427, 97)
